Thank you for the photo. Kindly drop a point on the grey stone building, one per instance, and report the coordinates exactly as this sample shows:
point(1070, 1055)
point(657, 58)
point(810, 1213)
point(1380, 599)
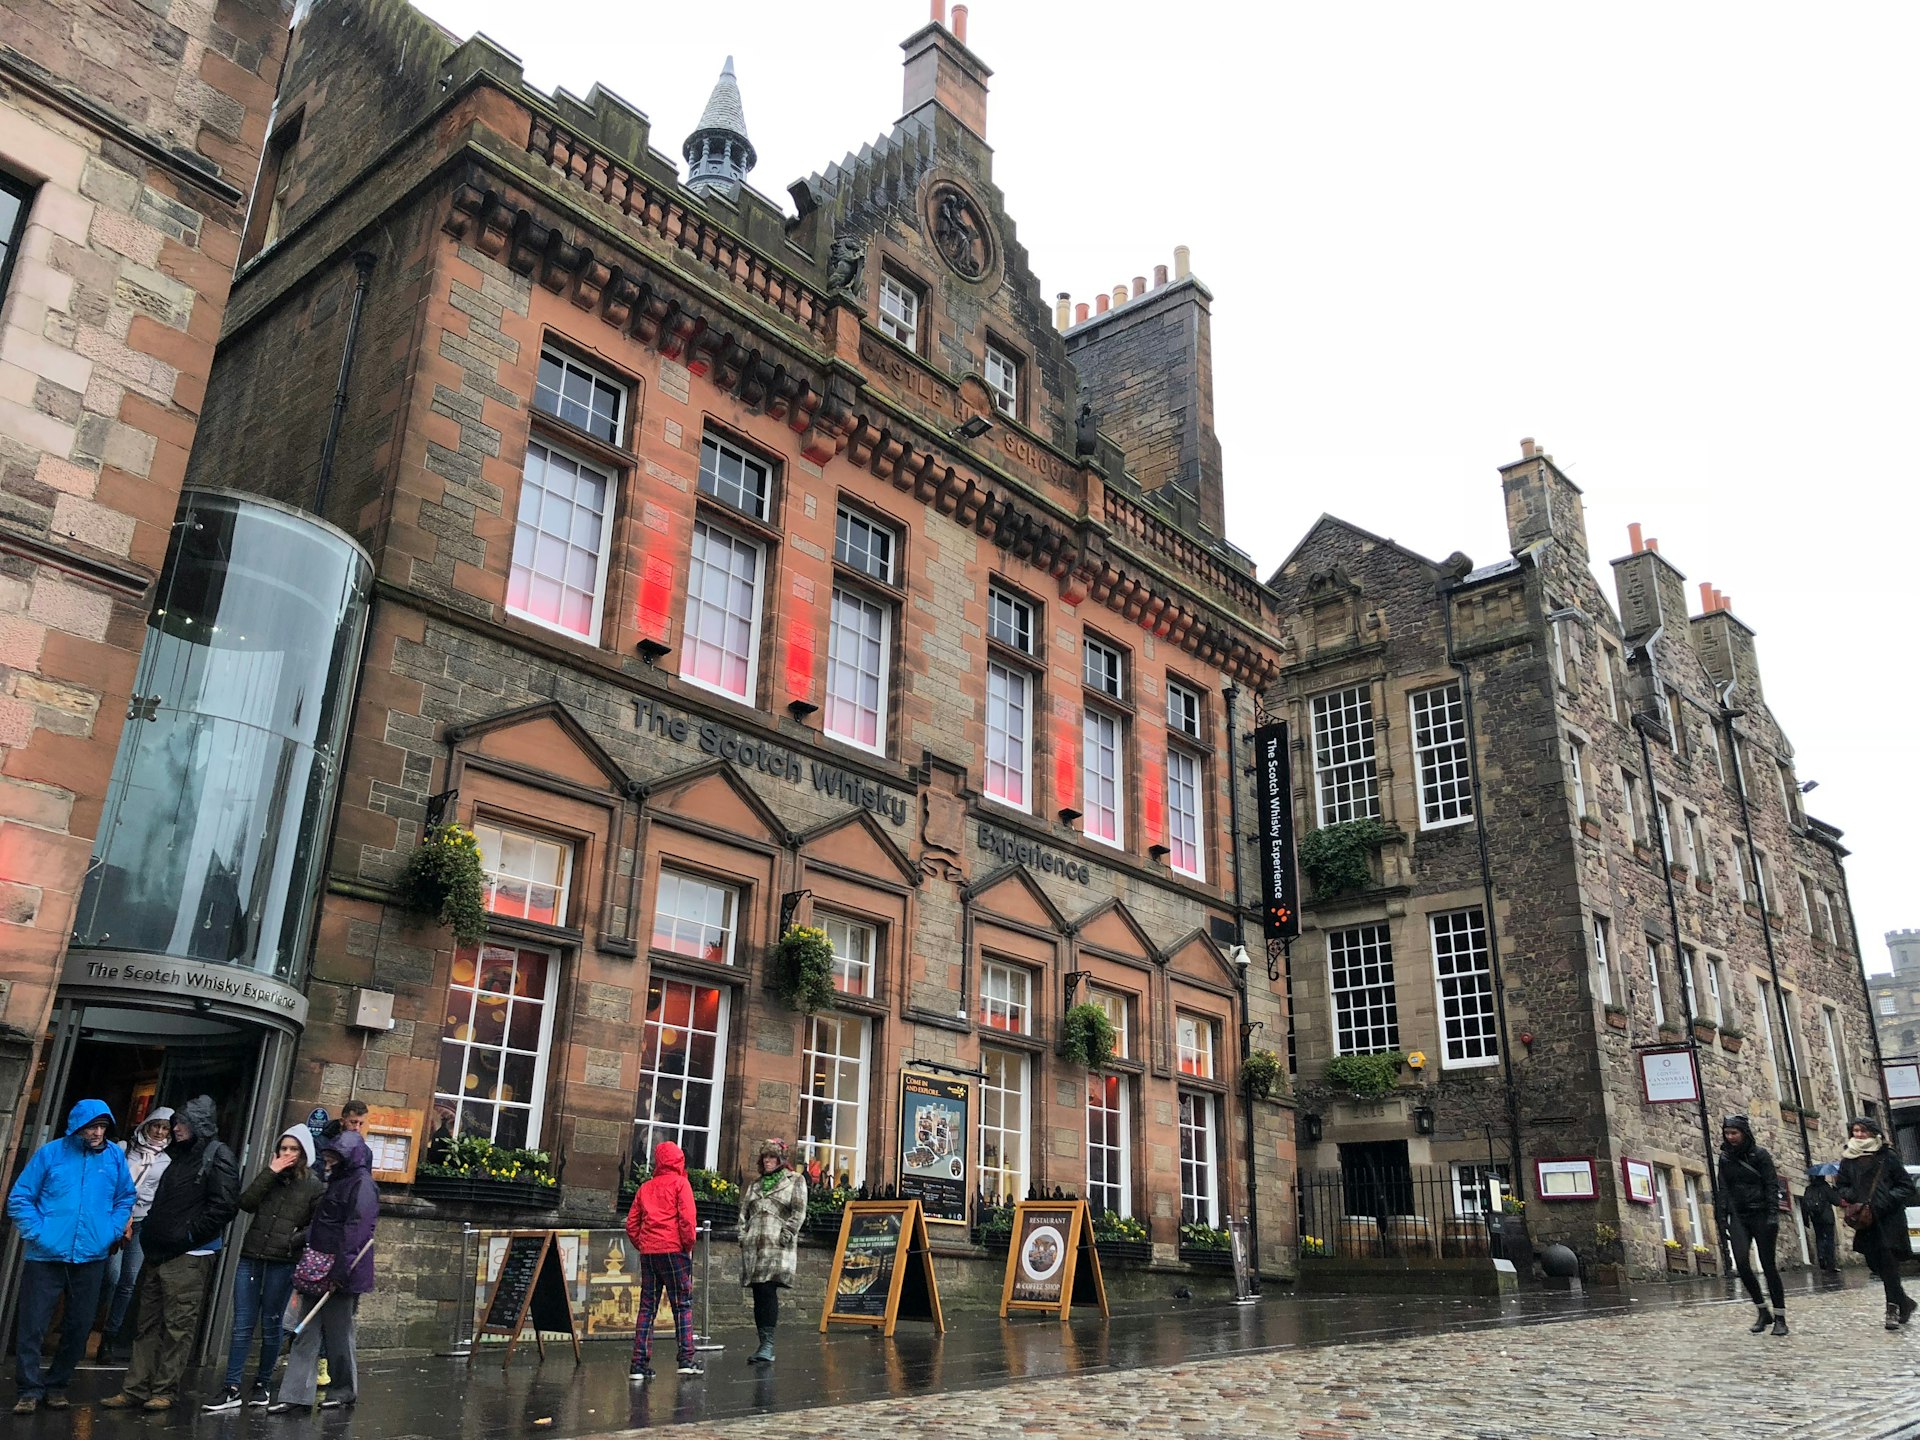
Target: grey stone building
point(1896, 1011)
point(1588, 870)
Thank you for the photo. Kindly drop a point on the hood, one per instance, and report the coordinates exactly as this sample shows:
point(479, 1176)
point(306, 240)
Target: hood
point(1740, 1123)
point(84, 1113)
point(669, 1159)
point(165, 1116)
point(305, 1138)
point(199, 1115)
point(351, 1152)
point(775, 1147)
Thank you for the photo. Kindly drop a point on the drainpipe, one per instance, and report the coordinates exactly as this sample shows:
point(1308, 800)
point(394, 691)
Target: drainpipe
point(1686, 983)
point(363, 262)
point(1727, 717)
point(1486, 892)
point(1231, 694)
point(1866, 994)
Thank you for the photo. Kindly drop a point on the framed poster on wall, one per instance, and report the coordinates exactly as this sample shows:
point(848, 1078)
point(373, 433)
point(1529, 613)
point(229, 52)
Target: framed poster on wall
point(1667, 1076)
point(934, 1133)
point(1571, 1178)
point(1903, 1081)
point(1637, 1177)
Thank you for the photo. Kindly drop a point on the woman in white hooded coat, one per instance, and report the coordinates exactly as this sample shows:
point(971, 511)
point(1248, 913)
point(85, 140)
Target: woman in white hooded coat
point(147, 1159)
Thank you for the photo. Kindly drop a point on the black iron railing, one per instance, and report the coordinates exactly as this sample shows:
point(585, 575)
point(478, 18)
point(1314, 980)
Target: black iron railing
point(1406, 1213)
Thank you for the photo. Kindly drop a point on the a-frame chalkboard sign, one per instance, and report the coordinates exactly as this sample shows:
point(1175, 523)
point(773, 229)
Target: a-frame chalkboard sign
point(1051, 1260)
point(532, 1286)
point(882, 1268)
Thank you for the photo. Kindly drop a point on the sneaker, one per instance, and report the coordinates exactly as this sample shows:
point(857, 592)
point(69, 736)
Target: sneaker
point(642, 1373)
point(261, 1395)
point(324, 1379)
point(26, 1405)
point(283, 1407)
point(122, 1401)
point(692, 1367)
point(56, 1400)
point(227, 1399)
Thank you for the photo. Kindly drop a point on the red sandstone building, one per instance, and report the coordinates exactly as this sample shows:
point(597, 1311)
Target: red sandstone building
point(737, 568)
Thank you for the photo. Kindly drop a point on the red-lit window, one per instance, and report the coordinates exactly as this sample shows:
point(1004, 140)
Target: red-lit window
point(683, 1049)
point(1006, 998)
point(493, 1051)
point(854, 945)
point(527, 877)
point(1193, 1044)
point(1102, 790)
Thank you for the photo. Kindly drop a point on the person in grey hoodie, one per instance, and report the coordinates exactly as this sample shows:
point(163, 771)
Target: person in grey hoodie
point(197, 1198)
point(147, 1162)
point(281, 1200)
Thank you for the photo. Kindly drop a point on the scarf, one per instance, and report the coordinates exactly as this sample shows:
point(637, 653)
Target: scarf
point(771, 1183)
point(1858, 1148)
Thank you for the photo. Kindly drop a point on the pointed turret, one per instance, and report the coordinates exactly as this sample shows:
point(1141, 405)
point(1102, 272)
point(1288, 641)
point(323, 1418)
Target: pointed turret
point(718, 153)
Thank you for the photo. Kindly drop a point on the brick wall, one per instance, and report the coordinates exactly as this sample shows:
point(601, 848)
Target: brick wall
point(140, 128)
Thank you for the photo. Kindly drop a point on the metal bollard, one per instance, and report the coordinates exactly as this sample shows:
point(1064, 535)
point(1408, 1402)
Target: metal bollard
point(703, 1337)
point(462, 1347)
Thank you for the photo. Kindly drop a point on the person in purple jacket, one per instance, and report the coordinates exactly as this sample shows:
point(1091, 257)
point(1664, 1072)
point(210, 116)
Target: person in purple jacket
point(343, 1228)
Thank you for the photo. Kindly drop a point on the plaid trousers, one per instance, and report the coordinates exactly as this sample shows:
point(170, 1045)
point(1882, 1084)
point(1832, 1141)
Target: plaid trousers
point(672, 1273)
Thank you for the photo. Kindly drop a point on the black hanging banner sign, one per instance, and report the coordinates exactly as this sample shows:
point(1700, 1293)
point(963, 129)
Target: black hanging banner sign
point(1273, 784)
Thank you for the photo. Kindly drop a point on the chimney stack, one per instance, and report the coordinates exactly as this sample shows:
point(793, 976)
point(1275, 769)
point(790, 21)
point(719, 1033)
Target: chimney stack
point(1062, 310)
point(1080, 313)
point(1139, 286)
point(1159, 276)
point(942, 71)
point(1706, 598)
point(960, 23)
point(1119, 295)
point(1100, 303)
point(1528, 449)
point(1182, 262)
point(1634, 543)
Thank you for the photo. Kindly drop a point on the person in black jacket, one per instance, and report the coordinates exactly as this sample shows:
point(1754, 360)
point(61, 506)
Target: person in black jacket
point(1816, 1207)
point(1749, 1203)
point(281, 1199)
point(196, 1200)
point(1871, 1174)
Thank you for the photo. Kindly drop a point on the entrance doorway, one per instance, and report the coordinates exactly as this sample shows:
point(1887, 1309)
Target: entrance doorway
point(1377, 1179)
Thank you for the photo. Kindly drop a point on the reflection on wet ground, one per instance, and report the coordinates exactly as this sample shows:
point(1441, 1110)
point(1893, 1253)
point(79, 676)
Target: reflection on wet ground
point(443, 1398)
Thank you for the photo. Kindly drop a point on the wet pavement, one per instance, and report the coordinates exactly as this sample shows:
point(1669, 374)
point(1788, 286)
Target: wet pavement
point(440, 1398)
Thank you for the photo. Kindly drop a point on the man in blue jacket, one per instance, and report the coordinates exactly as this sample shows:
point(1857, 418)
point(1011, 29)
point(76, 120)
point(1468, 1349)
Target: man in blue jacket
point(71, 1202)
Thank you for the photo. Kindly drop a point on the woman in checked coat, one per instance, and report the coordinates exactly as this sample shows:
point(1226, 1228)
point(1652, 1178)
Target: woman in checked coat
point(773, 1207)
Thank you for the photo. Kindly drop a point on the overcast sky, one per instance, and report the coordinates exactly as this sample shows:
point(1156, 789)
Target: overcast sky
point(1675, 243)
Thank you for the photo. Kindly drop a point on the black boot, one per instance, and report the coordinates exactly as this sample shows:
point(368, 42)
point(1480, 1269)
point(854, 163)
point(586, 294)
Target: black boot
point(764, 1355)
point(1780, 1322)
point(1761, 1322)
point(1907, 1307)
point(1893, 1317)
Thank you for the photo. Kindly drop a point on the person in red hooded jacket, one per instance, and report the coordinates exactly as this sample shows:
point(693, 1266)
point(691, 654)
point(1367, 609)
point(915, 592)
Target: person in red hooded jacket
point(661, 1225)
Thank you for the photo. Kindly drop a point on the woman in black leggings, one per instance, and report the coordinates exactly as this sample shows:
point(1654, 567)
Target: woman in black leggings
point(1749, 1199)
point(1874, 1176)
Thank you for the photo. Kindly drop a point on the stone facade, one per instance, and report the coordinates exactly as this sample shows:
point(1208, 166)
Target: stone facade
point(516, 239)
point(1896, 1011)
point(128, 138)
point(1619, 910)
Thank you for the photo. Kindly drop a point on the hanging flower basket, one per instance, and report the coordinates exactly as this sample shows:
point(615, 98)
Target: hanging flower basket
point(442, 883)
point(1087, 1036)
point(1264, 1073)
point(801, 969)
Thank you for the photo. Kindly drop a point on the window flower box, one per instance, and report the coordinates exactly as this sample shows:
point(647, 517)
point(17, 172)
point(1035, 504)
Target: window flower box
point(1677, 1259)
point(1704, 1031)
point(1678, 871)
point(1703, 884)
point(1617, 1017)
point(1126, 1252)
point(1589, 827)
point(1121, 1239)
point(1203, 1257)
point(1731, 1039)
point(466, 1189)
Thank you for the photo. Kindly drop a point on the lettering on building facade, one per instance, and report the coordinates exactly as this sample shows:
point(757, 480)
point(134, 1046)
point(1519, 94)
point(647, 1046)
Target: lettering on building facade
point(1012, 848)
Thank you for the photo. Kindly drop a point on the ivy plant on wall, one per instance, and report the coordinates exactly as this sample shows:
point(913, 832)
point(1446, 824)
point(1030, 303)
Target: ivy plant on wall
point(1366, 1077)
point(1335, 857)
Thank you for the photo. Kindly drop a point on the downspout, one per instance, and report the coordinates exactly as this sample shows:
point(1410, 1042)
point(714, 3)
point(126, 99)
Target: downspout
point(363, 262)
point(1231, 694)
point(1866, 994)
point(1486, 892)
point(1686, 982)
point(1728, 716)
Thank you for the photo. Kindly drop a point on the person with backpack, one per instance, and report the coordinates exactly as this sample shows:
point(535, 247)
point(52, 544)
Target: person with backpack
point(194, 1203)
point(662, 1225)
point(1875, 1191)
point(281, 1200)
point(336, 1268)
point(1749, 1203)
point(70, 1204)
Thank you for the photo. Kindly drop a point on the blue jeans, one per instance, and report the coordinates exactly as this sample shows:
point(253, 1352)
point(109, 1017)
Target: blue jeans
point(123, 1274)
point(42, 1283)
point(260, 1292)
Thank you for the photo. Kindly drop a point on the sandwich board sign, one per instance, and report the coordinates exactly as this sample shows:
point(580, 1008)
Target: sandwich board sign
point(1051, 1260)
point(882, 1268)
point(532, 1285)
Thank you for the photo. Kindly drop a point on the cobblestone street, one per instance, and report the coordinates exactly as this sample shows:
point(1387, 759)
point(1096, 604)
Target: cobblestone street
point(1689, 1371)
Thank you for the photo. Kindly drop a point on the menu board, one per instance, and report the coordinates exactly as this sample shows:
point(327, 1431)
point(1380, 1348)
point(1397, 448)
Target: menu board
point(530, 1286)
point(933, 1144)
point(1051, 1260)
point(882, 1268)
point(393, 1143)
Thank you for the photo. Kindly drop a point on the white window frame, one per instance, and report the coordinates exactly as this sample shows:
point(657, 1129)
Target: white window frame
point(1119, 1010)
point(1577, 760)
point(1690, 1190)
point(1742, 861)
point(1006, 993)
point(729, 928)
point(1013, 1103)
point(856, 945)
point(1015, 704)
point(1602, 957)
point(1103, 780)
point(1470, 1198)
point(1012, 621)
point(899, 310)
point(1763, 993)
point(1609, 658)
point(1371, 1024)
point(1005, 385)
point(1676, 722)
point(1438, 724)
point(813, 1057)
point(695, 640)
point(1463, 975)
point(1889, 1006)
point(1653, 981)
point(858, 658)
point(709, 1154)
point(1713, 973)
point(1123, 1123)
point(1184, 711)
point(1806, 904)
point(1635, 808)
point(1193, 1045)
point(1103, 668)
point(1699, 844)
point(1662, 1190)
point(1836, 1047)
point(598, 382)
point(1186, 812)
point(503, 841)
point(877, 557)
point(714, 485)
point(535, 1108)
point(1197, 1118)
point(530, 540)
point(1346, 782)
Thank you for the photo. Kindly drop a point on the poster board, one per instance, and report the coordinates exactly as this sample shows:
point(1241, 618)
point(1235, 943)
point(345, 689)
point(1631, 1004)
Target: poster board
point(1279, 874)
point(882, 1268)
point(1569, 1177)
point(1637, 1176)
point(393, 1138)
point(1051, 1260)
point(1667, 1076)
point(1902, 1080)
point(530, 1287)
point(934, 1127)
